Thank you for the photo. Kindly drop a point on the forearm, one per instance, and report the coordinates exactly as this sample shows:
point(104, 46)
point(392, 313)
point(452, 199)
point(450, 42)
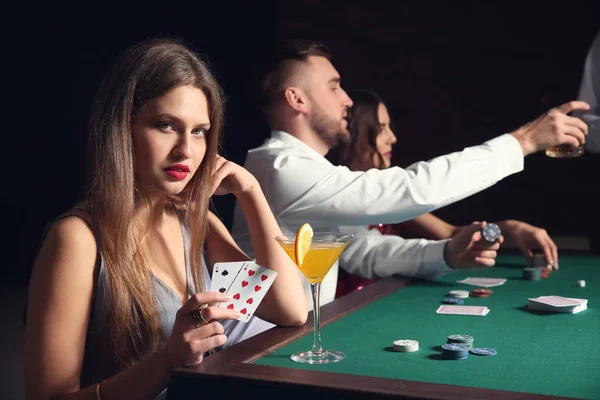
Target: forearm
point(146, 380)
point(384, 256)
point(285, 304)
point(507, 227)
point(430, 227)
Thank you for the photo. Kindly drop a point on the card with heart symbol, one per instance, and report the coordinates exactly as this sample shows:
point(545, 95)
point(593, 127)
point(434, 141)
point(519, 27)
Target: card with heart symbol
point(224, 274)
point(248, 289)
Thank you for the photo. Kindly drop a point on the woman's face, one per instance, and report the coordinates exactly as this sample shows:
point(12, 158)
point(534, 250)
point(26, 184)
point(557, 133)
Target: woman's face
point(385, 139)
point(169, 137)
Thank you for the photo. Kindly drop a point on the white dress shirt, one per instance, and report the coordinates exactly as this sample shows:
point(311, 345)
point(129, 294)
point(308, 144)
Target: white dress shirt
point(589, 92)
point(303, 186)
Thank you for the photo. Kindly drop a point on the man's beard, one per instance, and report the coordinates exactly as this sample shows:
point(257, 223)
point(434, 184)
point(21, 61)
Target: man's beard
point(329, 129)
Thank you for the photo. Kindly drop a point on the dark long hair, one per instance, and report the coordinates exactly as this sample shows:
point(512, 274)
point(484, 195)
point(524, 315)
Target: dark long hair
point(143, 72)
point(363, 125)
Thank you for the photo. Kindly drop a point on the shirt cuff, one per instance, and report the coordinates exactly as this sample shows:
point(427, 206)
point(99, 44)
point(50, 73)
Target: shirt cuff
point(433, 258)
point(508, 152)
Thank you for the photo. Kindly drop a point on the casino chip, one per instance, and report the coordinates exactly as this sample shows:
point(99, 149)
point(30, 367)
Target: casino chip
point(481, 293)
point(483, 351)
point(453, 300)
point(491, 232)
point(454, 351)
point(465, 340)
point(532, 274)
point(459, 294)
point(406, 346)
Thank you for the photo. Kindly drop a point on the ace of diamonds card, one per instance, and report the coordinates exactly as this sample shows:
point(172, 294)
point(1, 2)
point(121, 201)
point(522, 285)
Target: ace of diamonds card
point(248, 289)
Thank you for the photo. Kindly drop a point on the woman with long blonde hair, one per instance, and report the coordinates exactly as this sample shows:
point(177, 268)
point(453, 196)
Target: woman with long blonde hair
point(118, 295)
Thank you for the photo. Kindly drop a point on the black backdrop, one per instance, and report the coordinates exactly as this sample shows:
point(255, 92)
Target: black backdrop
point(453, 76)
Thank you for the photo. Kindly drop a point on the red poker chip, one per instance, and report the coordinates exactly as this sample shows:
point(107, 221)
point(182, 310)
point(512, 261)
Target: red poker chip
point(483, 291)
point(478, 294)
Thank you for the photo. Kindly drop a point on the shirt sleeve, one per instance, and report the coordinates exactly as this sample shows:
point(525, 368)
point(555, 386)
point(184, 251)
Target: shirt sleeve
point(375, 256)
point(302, 188)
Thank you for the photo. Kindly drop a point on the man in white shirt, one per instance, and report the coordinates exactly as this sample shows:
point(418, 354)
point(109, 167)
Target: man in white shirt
point(589, 92)
point(306, 107)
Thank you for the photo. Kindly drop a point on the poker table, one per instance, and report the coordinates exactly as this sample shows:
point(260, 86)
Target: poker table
point(539, 354)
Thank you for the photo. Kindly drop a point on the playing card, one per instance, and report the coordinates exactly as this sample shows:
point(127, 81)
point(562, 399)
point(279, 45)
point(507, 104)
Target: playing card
point(558, 301)
point(224, 274)
point(248, 289)
point(463, 310)
point(483, 282)
point(557, 304)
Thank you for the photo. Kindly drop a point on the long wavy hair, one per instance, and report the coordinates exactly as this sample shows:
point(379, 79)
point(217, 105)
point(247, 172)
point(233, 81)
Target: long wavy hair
point(143, 72)
point(363, 125)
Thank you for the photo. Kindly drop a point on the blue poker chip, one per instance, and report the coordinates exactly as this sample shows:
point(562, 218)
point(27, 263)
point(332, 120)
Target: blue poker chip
point(483, 351)
point(453, 300)
point(491, 232)
point(454, 347)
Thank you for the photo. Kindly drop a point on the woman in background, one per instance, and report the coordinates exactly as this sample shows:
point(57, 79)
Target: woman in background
point(371, 145)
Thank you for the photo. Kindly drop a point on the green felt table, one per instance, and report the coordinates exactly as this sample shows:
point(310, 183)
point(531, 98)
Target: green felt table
point(545, 354)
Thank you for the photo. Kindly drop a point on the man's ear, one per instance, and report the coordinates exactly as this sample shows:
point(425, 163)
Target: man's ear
point(297, 99)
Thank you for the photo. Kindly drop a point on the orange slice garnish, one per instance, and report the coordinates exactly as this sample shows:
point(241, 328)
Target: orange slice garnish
point(303, 241)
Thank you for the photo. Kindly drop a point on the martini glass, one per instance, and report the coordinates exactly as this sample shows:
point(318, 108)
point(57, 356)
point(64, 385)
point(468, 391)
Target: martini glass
point(324, 251)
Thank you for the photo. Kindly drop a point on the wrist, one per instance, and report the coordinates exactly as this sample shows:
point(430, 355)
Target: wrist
point(526, 146)
point(447, 259)
point(161, 359)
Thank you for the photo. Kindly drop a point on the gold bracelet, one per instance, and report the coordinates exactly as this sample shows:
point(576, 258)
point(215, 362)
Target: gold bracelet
point(98, 397)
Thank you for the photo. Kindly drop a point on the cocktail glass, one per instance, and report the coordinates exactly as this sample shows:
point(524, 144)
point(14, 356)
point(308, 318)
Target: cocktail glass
point(324, 251)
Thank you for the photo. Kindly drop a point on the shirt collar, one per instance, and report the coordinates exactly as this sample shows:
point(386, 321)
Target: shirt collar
point(292, 141)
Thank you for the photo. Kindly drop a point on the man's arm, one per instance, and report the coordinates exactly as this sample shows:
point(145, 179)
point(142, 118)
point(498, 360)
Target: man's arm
point(372, 255)
point(301, 188)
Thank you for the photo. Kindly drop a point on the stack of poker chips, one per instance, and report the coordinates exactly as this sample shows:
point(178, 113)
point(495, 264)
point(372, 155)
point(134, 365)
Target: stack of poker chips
point(406, 346)
point(531, 274)
point(481, 292)
point(539, 261)
point(458, 294)
point(465, 340)
point(453, 300)
point(454, 351)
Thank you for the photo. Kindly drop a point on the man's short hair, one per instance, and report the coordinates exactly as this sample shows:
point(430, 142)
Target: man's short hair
point(280, 67)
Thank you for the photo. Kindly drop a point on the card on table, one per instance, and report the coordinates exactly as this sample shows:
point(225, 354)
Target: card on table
point(224, 274)
point(248, 289)
point(557, 304)
point(479, 311)
point(483, 282)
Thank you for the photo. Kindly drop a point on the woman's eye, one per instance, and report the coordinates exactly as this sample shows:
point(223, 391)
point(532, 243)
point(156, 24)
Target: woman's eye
point(165, 126)
point(200, 132)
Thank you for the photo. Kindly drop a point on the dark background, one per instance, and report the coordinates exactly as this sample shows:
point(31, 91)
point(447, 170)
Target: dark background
point(453, 75)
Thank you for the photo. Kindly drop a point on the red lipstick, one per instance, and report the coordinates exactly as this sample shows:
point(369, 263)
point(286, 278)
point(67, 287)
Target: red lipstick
point(178, 171)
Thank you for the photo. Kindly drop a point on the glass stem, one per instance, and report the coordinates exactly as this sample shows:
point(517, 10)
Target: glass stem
point(315, 288)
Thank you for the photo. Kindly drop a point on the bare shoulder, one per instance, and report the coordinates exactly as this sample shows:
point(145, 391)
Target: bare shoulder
point(72, 231)
point(70, 243)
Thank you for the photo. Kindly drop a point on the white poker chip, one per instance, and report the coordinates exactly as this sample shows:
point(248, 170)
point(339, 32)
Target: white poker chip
point(406, 346)
point(581, 283)
point(459, 294)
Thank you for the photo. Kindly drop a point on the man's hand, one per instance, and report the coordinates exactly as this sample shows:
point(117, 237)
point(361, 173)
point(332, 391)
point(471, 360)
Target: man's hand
point(468, 249)
point(552, 128)
point(528, 238)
